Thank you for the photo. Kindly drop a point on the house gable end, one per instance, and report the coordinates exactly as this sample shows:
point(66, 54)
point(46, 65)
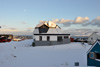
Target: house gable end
point(95, 47)
point(43, 29)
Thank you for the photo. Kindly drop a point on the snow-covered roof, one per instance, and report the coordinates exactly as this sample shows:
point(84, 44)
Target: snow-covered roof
point(51, 28)
point(40, 24)
point(49, 24)
point(98, 33)
point(54, 31)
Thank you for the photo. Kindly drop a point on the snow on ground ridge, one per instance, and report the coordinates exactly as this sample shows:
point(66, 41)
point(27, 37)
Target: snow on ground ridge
point(42, 56)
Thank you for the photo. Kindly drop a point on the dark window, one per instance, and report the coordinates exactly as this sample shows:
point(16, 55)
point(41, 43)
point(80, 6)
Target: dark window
point(97, 55)
point(76, 63)
point(43, 29)
point(93, 55)
point(40, 38)
point(59, 38)
point(65, 37)
point(91, 38)
point(48, 38)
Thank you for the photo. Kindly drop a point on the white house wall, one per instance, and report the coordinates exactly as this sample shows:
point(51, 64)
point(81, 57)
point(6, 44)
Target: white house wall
point(37, 38)
point(44, 38)
point(53, 38)
point(94, 36)
point(36, 31)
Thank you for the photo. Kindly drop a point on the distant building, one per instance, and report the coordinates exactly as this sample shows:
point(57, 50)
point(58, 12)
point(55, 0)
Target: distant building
point(48, 33)
point(21, 37)
point(93, 37)
point(93, 55)
point(6, 37)
point(80, 38)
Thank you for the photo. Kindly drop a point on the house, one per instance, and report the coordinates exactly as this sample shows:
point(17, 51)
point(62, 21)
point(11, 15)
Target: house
point(48, 33)
point(93, 55)
point(93, 37)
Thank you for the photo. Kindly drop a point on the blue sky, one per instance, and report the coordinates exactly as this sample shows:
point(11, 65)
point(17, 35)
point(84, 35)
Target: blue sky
point(24, 15)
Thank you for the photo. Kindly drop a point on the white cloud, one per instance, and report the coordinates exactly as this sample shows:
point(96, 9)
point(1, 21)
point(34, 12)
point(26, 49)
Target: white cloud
point(8, 30)
point(30, 29)
point(84, 21)
point(55, 20)
point(80, 20)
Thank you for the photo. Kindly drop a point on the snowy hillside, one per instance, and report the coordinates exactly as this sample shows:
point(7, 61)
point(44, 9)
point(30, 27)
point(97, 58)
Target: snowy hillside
point(21, 54)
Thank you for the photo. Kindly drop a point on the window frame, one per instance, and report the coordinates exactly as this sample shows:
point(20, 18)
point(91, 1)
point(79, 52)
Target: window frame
point(93, 55)
point(58, 39)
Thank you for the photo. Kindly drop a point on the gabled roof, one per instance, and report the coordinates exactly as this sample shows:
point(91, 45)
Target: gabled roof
point(92, 46)
point(94, 33)
point(98, 34)
point(49, 24)
point(40, 24)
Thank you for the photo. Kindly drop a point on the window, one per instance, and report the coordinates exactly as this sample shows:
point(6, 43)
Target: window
point(65, 37)
point(48, 38)
point(92, 55)
point(76, 63)
point(59, 38)
point(97, 55)
point(91, 38)
point(40, 38)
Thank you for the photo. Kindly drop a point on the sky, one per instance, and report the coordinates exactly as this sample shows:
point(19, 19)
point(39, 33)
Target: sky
point(73, 16)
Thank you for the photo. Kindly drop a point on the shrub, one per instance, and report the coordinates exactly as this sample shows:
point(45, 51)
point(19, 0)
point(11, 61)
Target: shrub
point(33, 44)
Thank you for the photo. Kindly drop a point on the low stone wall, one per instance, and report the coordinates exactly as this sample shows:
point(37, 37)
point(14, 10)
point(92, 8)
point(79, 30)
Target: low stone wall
point(48, 43)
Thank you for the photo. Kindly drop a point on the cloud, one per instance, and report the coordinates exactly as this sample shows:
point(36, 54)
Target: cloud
point(15, 31)
point(80, 20)
point(23, 22)
point(79, 32)
point(3, 26)
point(68, 22)
point(41, 21)
point(12, 29)
point(84, 21)
point(30, 29)
point(8, 30)
point(55, 20)
point(96, 21)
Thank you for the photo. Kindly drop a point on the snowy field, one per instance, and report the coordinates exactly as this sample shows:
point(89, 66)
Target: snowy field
point(21, 54)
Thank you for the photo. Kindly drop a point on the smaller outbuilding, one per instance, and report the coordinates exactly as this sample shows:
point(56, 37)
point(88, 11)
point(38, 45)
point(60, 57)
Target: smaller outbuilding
point(93, 55)
point(93, 37)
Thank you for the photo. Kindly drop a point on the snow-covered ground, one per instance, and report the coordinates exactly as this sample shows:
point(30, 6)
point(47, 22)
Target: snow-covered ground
point(21, 54)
